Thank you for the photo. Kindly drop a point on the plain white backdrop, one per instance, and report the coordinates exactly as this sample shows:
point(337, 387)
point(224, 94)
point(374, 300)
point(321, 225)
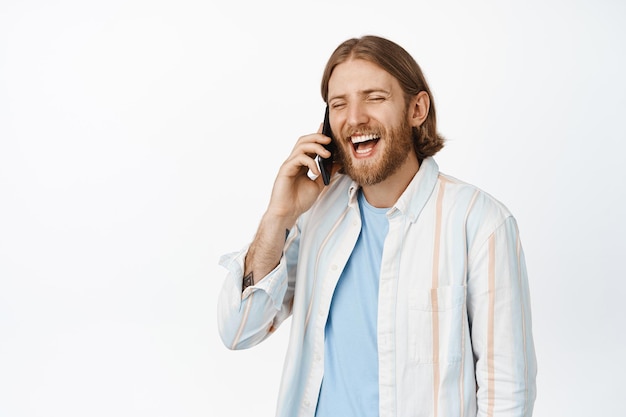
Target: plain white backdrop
point(139, 141)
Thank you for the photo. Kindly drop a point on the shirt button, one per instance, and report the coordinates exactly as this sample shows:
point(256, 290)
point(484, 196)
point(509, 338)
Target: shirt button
point(333, 267)
point(307, 403)
point(318, 358)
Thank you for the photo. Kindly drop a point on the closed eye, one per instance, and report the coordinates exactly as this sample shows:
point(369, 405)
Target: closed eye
point(338, 105)
point(376, 98)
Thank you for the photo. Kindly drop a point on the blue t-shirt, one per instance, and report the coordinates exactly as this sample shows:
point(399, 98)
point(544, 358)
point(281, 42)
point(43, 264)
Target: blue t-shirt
point(350, 384)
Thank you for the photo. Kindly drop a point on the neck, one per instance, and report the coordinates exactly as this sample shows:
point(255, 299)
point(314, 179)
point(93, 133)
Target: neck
point(386, 193)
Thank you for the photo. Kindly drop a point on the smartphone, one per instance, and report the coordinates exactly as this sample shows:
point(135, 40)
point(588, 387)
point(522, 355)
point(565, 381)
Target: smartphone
point(326, 164)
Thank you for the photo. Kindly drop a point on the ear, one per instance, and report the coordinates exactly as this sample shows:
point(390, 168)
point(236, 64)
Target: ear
point(418, 108)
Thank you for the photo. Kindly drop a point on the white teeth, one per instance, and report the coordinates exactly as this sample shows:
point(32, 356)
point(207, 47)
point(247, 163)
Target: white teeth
point(363, 138)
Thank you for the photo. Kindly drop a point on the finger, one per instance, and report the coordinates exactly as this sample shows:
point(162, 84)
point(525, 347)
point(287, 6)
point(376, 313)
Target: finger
point(311, 149)
point(313, 175)
point(298, 164)
point(313, 138)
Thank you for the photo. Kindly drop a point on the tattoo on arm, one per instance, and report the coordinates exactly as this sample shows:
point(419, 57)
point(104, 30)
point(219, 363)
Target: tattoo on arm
point(248, 280)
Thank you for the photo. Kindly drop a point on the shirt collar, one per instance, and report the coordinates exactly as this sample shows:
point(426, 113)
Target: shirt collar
point(419, 190)
point(417, 193)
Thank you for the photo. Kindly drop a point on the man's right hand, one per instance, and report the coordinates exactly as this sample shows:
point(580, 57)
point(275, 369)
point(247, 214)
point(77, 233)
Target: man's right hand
point(293, 194)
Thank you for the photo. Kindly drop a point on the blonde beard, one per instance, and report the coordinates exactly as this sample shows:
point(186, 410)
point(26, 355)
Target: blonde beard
point(399, 144)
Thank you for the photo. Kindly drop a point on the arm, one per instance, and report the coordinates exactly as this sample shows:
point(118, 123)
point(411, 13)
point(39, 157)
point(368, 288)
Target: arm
point(500, 318)
point(258, 291)
point(293, 194)
point(245, 319)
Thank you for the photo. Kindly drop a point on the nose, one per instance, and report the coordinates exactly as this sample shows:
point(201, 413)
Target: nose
point(356, 114)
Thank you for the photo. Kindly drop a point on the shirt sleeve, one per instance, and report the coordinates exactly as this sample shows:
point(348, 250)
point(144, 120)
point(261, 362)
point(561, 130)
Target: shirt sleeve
point(500, 319)
point(245, 319)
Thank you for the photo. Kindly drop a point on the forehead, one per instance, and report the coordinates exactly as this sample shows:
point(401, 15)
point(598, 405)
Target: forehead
point(359, 75)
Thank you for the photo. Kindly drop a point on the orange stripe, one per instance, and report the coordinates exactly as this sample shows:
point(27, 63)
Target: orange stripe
point(317, 263)
point(244, 320)
point(462, 335)
point(436, 376)
point(436, 246)
point(433, 297)
point(491, 326)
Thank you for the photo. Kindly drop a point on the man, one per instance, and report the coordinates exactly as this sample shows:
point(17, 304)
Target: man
point(407, 288)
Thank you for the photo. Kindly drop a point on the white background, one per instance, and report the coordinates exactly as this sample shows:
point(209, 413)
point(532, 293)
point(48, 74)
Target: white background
point(139, 141)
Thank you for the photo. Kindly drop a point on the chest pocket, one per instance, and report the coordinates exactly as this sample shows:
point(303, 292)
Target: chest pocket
point(435, 324)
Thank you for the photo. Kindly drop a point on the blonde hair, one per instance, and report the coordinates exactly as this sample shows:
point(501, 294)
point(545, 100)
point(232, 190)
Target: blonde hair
point(400, 64)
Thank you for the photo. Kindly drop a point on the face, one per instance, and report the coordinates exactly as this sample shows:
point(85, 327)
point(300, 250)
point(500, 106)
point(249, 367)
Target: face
point(369, 116)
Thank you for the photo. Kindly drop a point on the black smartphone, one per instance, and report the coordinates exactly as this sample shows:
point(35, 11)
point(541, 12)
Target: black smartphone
point(326, 164)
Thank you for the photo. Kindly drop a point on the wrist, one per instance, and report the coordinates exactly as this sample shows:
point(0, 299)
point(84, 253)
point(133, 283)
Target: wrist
point(279, 221)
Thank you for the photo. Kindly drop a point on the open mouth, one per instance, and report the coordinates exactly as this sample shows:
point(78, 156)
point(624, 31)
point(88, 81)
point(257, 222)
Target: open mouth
point(364, 144)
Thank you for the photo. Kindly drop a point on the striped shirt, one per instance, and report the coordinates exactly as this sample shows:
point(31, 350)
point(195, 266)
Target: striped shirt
point(454, 322)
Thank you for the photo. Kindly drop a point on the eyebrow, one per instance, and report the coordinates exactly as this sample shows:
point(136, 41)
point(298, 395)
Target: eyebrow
point(364, 93)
